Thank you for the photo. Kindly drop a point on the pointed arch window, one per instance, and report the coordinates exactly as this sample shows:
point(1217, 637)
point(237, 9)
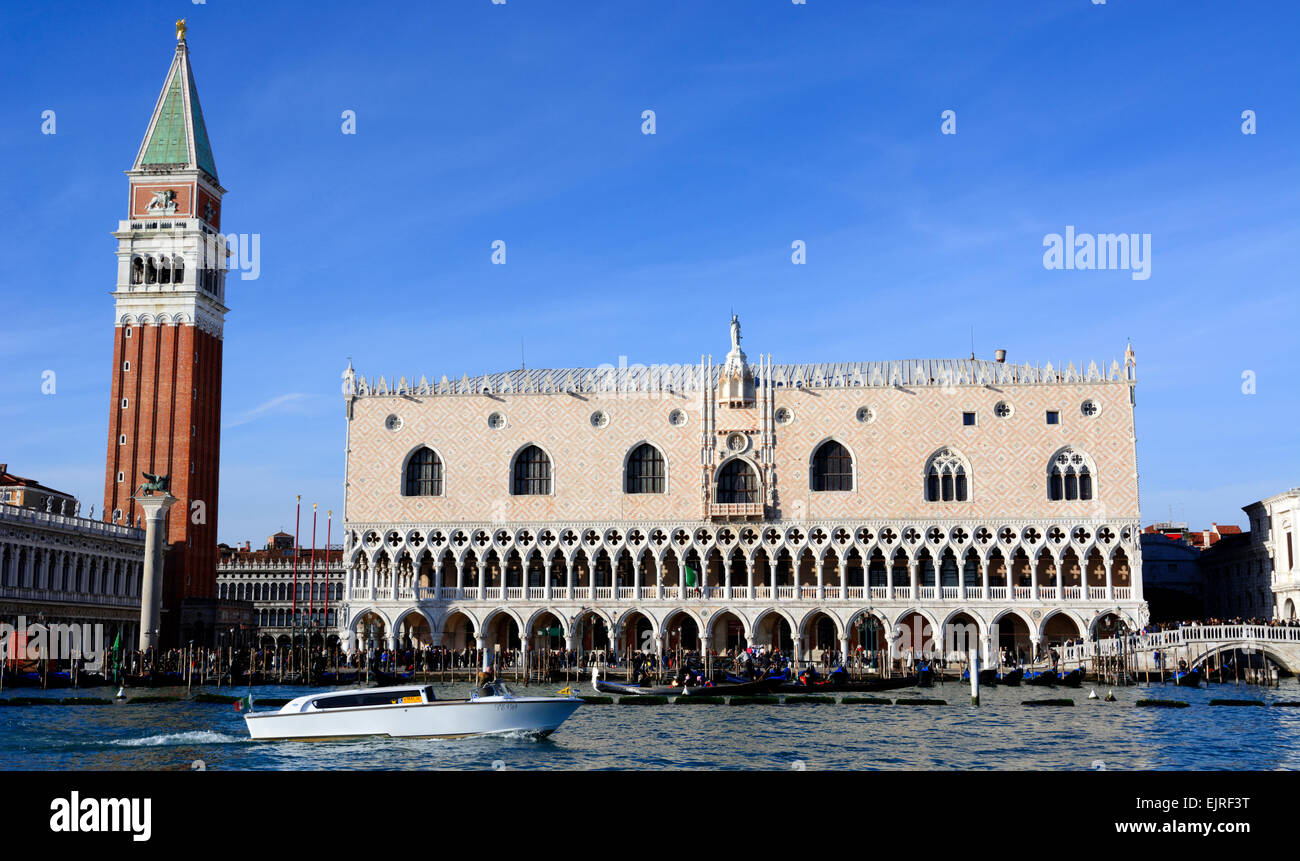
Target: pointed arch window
point(737, 483)
point(423, 474)
point(646, 472)
point(832, 467)
point(947, 477)
point(532, 473)
point(1070, 476)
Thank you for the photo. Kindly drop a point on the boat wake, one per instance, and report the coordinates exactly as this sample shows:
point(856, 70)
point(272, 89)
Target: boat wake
point(180, 738)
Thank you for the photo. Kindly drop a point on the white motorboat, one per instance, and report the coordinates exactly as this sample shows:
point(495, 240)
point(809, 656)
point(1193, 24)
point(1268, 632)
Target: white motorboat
point(411, 712)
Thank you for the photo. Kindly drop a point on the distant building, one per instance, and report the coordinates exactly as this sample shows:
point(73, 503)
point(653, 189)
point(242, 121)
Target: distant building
point(1254, 574)
point(264, 579)
point(1172, 579)
point(61, 567)
point(1202, 539)
point(29, 493)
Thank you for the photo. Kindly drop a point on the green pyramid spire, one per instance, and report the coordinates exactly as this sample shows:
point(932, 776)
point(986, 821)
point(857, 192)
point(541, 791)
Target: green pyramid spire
point(176, 136)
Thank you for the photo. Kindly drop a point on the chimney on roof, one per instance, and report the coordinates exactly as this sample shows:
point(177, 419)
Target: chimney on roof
point(1000, 355)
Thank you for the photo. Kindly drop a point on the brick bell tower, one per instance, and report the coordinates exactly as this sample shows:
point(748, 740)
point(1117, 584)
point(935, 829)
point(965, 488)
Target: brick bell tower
point(165, 408)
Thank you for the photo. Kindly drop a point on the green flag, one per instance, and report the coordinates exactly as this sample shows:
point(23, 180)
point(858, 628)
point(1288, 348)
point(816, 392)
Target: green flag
point(690, 576)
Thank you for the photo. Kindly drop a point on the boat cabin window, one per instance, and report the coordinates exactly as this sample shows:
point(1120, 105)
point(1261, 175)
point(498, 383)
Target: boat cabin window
point(428, 694)
point(388, 697)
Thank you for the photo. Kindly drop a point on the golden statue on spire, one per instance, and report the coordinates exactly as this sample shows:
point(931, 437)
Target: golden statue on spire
point(180, 30)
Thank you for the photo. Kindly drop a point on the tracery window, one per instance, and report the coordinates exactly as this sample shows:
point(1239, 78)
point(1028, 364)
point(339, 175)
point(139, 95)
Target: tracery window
point(947, 477)
point(832, 467)
point(532, 473)
point(645, 470)
point(737, 482)
point(1069, 476)
point(423, 474)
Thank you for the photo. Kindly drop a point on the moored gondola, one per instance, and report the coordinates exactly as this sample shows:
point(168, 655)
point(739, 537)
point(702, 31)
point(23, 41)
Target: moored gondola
point(1189, 679)
point(726, 689)
point(987, 677)
point(1041, 678)
point(1012, 678)
point(1072, 679)
point(858, 687)
point(387, 680)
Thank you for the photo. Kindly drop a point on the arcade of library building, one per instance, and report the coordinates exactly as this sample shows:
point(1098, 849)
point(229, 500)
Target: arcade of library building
point(804, 507)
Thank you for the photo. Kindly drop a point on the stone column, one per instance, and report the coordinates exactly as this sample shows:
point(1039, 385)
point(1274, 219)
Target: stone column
point(155, 513)
point(726, 579)
point(482, 582)
point(821, 579)
point(914, 577)
point(844, 581)
point(750, 565)
point(1110, 581)
point(984, 579)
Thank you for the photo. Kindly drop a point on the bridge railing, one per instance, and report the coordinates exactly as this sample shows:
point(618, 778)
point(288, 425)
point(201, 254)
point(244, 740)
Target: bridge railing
point(1171, 639)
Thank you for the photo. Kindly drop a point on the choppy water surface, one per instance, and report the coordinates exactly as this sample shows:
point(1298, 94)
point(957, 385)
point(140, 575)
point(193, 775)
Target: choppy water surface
point(1002, 733)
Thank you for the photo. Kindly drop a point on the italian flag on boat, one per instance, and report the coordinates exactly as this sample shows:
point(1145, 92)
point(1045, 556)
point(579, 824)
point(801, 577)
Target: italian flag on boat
point(245, 704)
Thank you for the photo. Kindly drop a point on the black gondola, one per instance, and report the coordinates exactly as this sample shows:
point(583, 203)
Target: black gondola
point(1012, 678)
point(987, 677)
point(1072, 679)
point(925, 677)
point(627, 690)
point(388, 680)
point(1041, 679)
point(1190, 679)
point(859, 687)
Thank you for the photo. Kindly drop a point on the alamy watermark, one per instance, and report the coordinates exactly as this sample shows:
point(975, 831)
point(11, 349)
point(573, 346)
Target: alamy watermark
point(56, 642)
point(1124, 251)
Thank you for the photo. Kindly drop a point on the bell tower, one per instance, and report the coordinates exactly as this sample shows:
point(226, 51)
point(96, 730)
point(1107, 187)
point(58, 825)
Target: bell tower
point(165, 406)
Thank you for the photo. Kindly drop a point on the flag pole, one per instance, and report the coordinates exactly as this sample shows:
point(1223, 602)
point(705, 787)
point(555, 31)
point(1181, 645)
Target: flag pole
point(311, 587)
point(297, 521)
point(328, 515)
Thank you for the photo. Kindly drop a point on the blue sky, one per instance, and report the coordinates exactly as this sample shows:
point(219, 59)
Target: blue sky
point(775, 122)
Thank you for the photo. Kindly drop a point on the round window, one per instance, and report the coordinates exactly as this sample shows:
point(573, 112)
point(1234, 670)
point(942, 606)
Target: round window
point(866, 415)
point(496, 421)
point(677, 418)
point(599, 419)
point(1003, 410)
point(393, 423)
point(784, 416)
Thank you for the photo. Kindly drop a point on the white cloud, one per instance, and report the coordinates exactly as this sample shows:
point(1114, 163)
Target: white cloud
point(291, 402)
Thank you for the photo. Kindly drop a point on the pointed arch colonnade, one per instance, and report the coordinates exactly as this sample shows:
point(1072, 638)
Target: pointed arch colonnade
point(491, 584)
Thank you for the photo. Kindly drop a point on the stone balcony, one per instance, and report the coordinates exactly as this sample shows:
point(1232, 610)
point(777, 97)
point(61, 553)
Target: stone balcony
point(672, 594)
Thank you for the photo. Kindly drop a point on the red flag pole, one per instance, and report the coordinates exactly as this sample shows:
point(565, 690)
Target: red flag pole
point(311, 588)
point(328, 516)
point(297, 521)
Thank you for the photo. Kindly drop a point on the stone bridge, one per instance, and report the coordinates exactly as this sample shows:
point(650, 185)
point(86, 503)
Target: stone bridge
point(1196, 643)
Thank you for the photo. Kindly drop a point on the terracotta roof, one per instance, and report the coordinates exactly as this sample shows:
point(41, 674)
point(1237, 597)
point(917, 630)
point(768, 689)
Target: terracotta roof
point(8, 479)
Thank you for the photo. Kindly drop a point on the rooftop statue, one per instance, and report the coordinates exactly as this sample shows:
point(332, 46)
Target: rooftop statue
point(735, 332)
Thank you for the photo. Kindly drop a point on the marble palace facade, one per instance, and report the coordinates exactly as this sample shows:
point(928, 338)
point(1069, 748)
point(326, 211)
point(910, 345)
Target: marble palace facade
point(712, 505)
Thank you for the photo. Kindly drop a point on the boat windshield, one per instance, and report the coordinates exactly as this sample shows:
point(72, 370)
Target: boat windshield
point(495, 688)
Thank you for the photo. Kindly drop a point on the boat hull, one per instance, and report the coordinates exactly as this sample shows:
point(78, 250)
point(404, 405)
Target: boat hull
point(537, 716)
